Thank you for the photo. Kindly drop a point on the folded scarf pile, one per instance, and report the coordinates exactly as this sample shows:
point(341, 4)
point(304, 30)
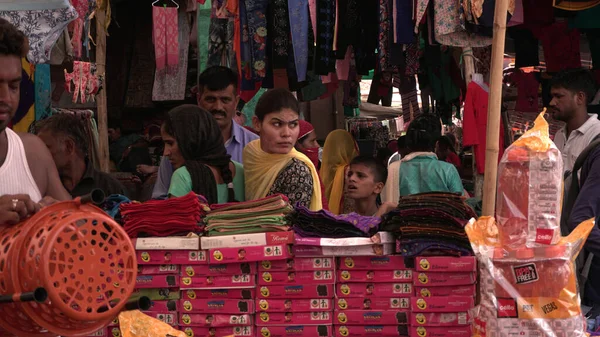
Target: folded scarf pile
point(324, 224)
point(256, 216)
point(164, 217)
point(430, 224)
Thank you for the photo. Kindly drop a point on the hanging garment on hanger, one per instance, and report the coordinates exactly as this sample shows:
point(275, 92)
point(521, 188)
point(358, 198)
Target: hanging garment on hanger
point(82, 9)
point(203, 25)
point(561, 46)
point(43, 88)
point(220, 45)
point(257, 35)
point(41, 21)
point(25, 114)
point(82, 82)
point(164, 35)
point(62, 50)
point(325, 54)
point(385, 24)
point(299, 17)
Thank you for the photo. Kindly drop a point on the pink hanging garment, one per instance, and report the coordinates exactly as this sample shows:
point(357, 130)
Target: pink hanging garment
point(85, 80)
point(81, 6)
point(165, 34)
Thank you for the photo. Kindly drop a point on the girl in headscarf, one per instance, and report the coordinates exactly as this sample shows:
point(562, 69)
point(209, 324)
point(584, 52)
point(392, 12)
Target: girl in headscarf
point(339, 150)
point(272, 164)
point(307, 144)
point(195, 148)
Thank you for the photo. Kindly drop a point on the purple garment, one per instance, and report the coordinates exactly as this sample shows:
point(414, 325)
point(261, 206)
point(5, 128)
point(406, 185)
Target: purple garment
point(323, 223)
point(404, 22)
point(235, 147)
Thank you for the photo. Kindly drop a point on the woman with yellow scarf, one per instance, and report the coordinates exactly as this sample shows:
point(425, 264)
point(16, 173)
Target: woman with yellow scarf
point(271, 164)
point(339, 150)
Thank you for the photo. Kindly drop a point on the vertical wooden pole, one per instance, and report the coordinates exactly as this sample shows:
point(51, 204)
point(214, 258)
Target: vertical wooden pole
point(101, 98)
point(494, 105)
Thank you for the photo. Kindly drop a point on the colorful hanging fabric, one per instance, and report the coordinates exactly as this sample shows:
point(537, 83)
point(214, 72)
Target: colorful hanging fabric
point(257, 34)
point(43, 87)
point(203, 23)
point(83, 82)
point(81, 6)
point(25, 114)
point(384, 33)
point(299, 28)
point(164, 35)
point(280, 33)
point(325, 54)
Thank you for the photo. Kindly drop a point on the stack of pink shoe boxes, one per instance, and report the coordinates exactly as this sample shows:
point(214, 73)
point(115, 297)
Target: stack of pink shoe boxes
point(218, 298)
point(295, 297)
point(372, 296)
point(444, 294)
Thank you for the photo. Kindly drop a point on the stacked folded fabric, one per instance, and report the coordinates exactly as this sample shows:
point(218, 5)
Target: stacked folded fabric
point(256, 216)
point(324, 224)
point(164, 217)
point(430, 224)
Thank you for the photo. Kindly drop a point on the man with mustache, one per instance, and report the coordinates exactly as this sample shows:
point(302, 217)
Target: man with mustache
point(218, 94)
point(28, 175)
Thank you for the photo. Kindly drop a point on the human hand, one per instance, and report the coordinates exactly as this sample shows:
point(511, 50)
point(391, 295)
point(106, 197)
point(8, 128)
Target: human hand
point(385, 208)
point(47, 201)
point(16, 208)
point(146, 169)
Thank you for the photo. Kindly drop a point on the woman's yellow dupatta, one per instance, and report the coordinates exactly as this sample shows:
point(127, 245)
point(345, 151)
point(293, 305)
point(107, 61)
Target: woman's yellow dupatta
point(338, 151)
point(261, 169)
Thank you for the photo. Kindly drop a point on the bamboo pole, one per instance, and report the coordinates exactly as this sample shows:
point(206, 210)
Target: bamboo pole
point(101, 98)
point(494, 105)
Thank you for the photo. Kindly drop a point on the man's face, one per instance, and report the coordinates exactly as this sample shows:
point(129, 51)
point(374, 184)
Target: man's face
point(114, 134)
point(564, 103)
point(360, 182)
point(58, 147)
point(221, 104)
point(10, 85)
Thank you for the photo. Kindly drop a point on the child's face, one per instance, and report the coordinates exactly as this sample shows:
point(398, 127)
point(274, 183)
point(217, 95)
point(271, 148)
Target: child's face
point(360, 182)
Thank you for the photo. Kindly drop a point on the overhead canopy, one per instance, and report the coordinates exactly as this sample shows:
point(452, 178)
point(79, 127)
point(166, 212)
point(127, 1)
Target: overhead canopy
point(575, 5)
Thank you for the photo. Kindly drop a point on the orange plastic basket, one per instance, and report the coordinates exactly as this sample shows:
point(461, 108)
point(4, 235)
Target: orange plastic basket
point(80, 256)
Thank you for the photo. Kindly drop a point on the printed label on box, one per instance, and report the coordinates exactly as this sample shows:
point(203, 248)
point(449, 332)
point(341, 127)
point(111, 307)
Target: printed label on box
point(247, 240)
point(245, 294)
point(440, 319)
point(295, 318)
point(294, 331)
point(373, 303)
point(167, 243)
point(299, 305)
point(367, 317)
point(199, 282)
point(433, 331)
point(375, 249)
point(298, 264)
point(292, 277)
point(296, 291)
point(156, 281)
point(166, 317)
point(379, 276)
point(235, 331)
point(371, 330)
point(214, 321)
point(374, 289)
point(466, 290)
point(162, 306)
point(163, 269)
point(157, 294)
point(442, 304)
point(158, 257)
point(249, 254)
point(393, 262)
point(219, 269)
point(229, 306)
point(446, 264)
point(444, 279)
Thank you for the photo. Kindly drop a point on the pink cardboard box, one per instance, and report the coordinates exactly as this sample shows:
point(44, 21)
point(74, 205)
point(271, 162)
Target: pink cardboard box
point(294, 278)
point(442, 304)
point(114, 331)
point(446, 264)
point(219, 332)
point(371, 330)
point(374, 249)
point(372, 303)
point(166, 269)
point(167, 317)
point(299, 305)
point(209, 294)
point(295, 318)
point(368, 317)
point(375, 275)
point(393, 262)
point(219, 269)
point(247, 240)
point(156, 281)
point(443, 279)
point(223, 281)
point(214, 321)
point(223, 306)
point(374, 289)
point(440, 319)
point(162, 306)
point(157, 294)
point(434, 331)
point(249, 254)
point(298, 264)
point(466, 290)
point(158, 257)
point(294, 331)
point(297, 291)
point(100, 333)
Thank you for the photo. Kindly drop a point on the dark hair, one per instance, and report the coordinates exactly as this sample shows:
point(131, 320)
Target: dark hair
point(445, 143)
point(67, 125)
point(275, 100)
point(423, 132)
point(114, 124)
point(383, 155)
point(576, 80)
point(200, 141)
point(217, 78)
point(379, 170)
point(401, 143)
point(12, 41)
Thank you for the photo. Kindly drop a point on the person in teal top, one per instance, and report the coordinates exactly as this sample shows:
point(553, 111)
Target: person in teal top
point(421, 171)
point(194, 146)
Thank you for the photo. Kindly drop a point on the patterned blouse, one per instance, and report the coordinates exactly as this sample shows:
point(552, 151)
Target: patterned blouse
point(295, 182)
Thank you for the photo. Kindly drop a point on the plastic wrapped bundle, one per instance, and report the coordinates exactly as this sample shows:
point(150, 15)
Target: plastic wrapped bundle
point(529, 291)
point(529, 193)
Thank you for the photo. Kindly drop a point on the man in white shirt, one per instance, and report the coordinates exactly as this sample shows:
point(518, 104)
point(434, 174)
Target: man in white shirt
point(572, 90)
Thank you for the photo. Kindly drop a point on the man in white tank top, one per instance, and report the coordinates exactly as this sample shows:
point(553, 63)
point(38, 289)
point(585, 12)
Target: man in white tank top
point(28, 175)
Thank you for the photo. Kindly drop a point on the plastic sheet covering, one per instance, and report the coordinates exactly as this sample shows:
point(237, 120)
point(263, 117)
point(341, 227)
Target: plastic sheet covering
point(527, 292)
point(530, 189)
point(137, 324)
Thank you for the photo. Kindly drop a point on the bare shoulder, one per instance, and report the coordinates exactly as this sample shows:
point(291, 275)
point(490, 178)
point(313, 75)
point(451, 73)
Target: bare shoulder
point(32, 143)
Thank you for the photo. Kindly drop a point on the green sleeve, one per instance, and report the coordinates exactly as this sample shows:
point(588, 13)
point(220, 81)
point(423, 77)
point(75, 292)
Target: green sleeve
point(181, 182)
point(454, 182)
point(239, 182)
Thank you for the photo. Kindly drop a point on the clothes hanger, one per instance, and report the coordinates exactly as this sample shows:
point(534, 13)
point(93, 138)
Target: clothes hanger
point(165, 5)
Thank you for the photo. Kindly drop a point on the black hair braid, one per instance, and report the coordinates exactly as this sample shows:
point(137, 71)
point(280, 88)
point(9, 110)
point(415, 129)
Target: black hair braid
point(227, 176)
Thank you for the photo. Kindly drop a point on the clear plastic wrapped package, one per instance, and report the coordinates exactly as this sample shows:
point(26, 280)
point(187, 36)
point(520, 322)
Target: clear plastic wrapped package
point(529, 193)
point(527, 292)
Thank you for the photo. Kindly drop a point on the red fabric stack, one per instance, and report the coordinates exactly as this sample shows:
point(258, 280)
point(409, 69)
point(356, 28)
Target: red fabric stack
point(164, 217)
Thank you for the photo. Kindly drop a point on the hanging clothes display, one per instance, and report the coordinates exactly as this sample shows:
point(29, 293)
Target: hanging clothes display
point(203, 25)
point(164, 35)
point(83, 82)
point(41, 21)
point(43, 87)
point(299, 18)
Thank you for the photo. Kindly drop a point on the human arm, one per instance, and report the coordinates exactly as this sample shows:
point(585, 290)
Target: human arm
point(163, 181)
point(181, 182)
